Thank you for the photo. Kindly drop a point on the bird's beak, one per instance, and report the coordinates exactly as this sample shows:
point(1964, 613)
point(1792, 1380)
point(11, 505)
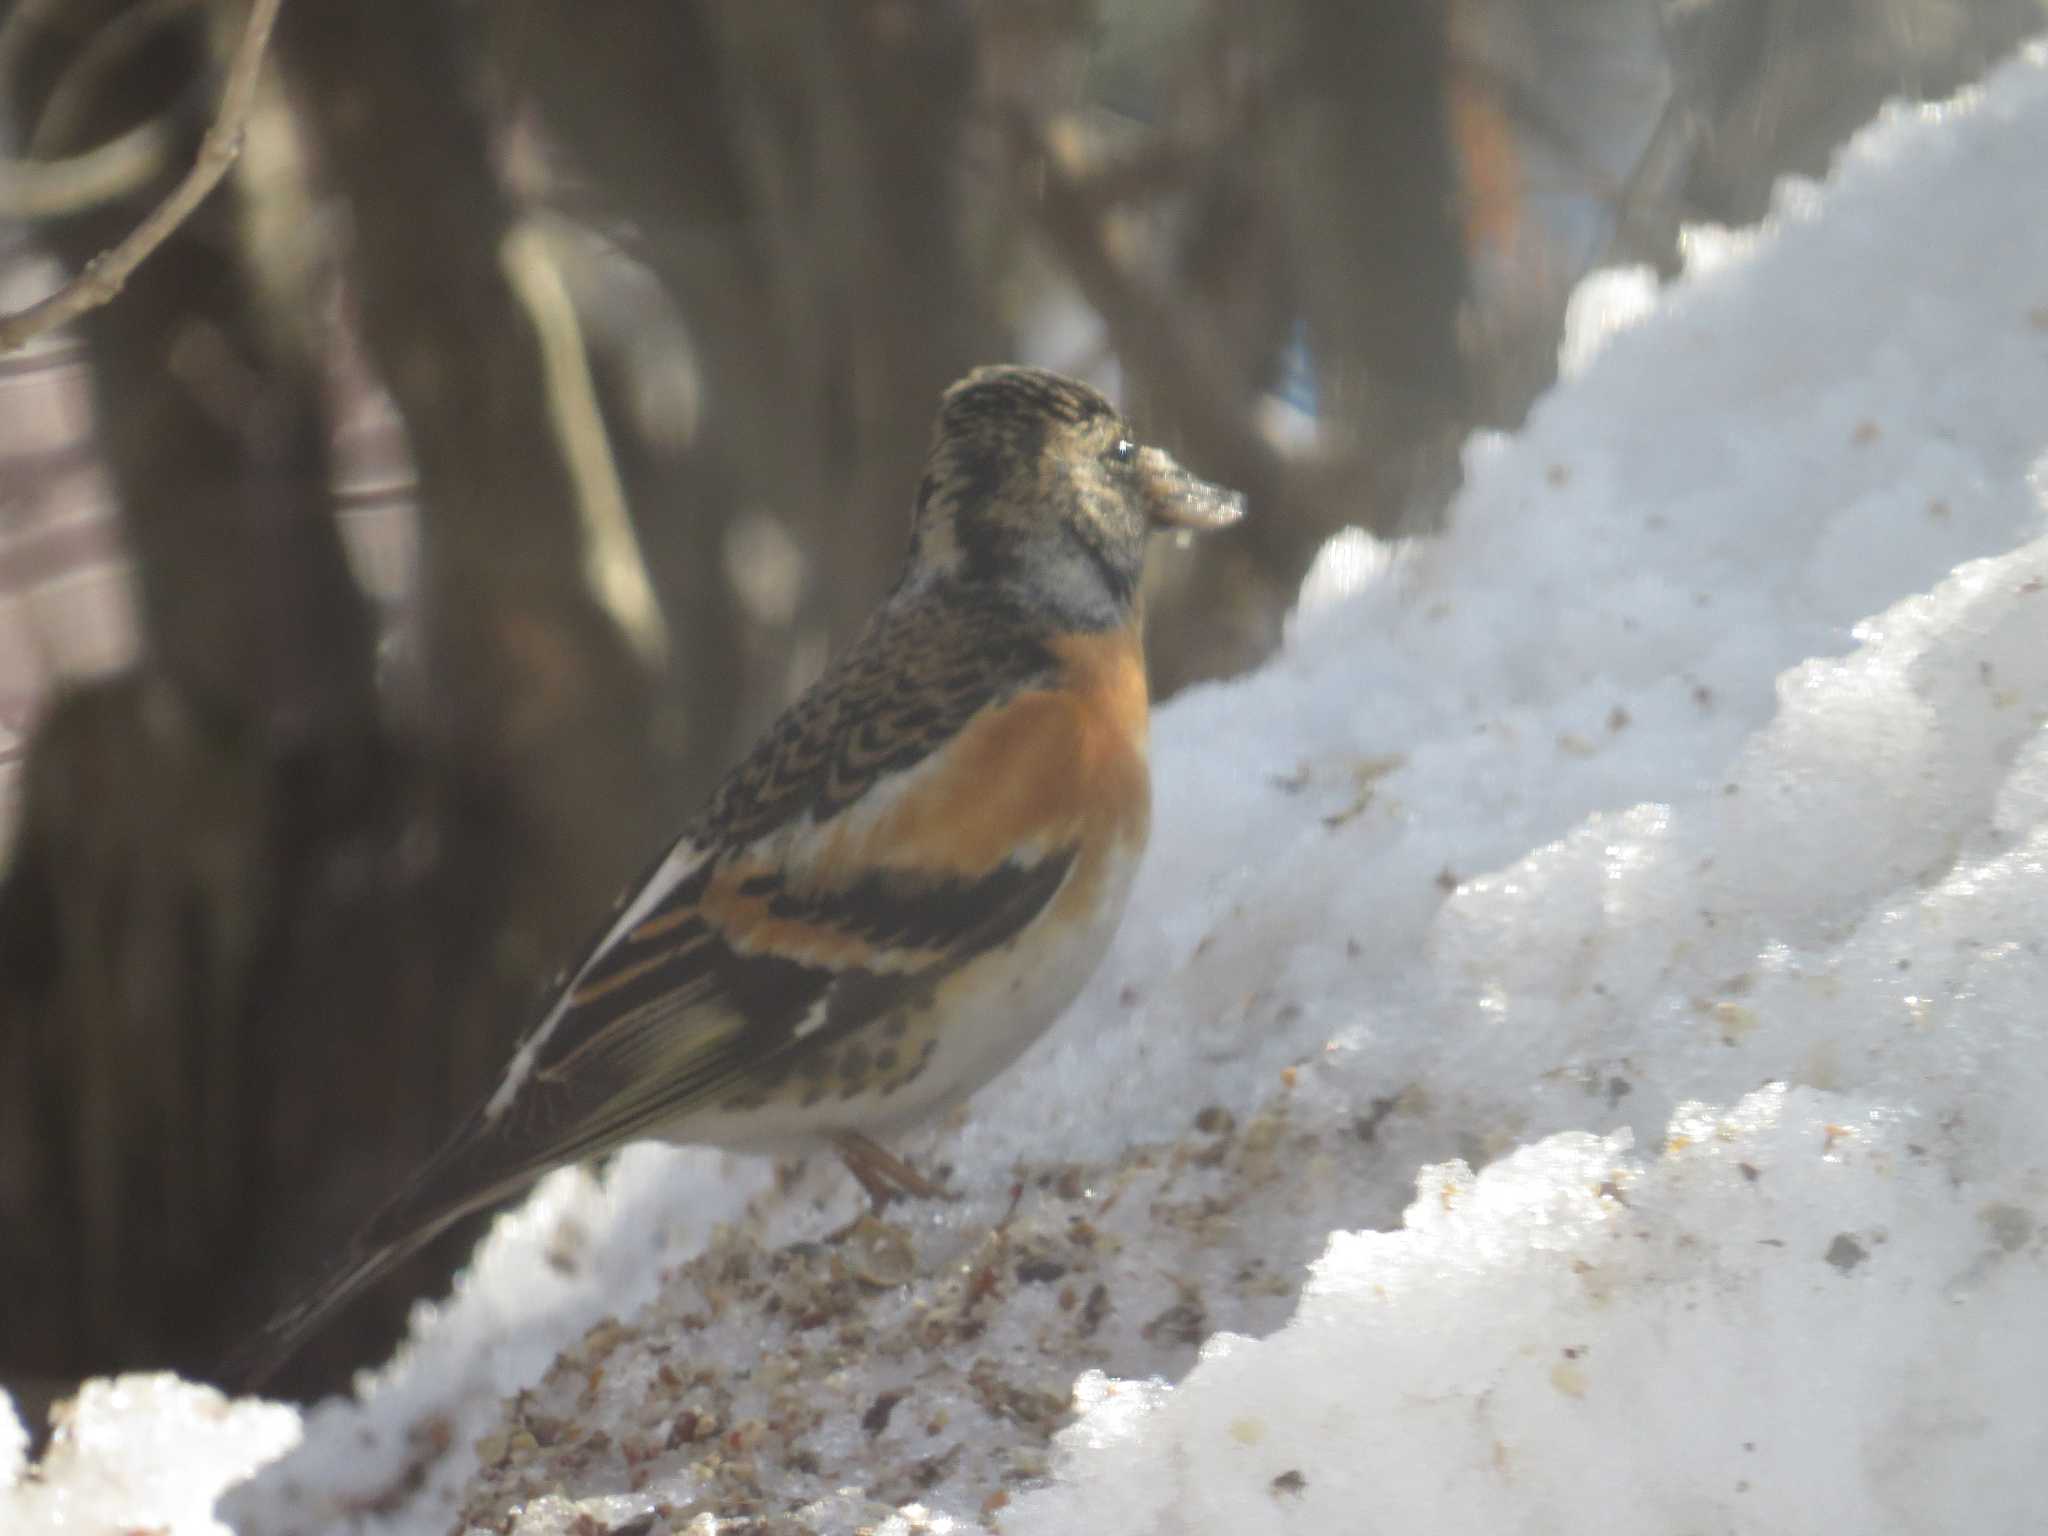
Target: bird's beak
point(1176, 499)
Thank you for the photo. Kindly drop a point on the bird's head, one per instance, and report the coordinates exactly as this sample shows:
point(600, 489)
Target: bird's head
point(1034, 482)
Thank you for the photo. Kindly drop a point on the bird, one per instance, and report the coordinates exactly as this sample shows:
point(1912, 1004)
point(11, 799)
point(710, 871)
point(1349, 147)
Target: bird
point(906, 880)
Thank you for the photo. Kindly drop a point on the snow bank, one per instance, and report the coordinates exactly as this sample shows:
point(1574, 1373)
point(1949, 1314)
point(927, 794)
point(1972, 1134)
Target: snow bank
point(138, 1454)
point(1816, 1310)
point(1708, 751)
point(1786, 1322)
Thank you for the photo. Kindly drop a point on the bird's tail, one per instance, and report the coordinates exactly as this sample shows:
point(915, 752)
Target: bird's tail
point(474, 1169)
point(259, 1358)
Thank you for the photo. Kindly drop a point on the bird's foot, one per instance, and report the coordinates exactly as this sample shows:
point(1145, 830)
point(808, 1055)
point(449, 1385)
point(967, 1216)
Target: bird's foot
point(883, 1174)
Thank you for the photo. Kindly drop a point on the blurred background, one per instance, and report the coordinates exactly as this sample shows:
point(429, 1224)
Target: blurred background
point(392, 567)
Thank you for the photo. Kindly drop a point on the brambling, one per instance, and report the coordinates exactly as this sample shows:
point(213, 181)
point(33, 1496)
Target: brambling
point(908, 878)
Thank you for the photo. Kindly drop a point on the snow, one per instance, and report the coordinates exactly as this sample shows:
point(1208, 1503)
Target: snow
point(140, 1453)
point(1786, 1321)
point(1669, 842)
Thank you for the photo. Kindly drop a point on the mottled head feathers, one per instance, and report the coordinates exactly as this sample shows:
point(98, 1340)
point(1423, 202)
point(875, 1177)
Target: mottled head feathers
point(1035, 484)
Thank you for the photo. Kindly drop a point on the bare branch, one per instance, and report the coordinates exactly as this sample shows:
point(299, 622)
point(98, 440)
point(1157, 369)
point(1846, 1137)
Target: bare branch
point(106, 274)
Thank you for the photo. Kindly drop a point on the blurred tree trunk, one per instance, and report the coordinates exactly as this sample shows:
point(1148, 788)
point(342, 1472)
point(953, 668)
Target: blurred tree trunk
point(656, 144)
point(174, 819)
point(850, 121)
point(530, 676)
point(263, 938)
point(1363, 146)
point(1314, 153)
point(795, 176)
point(1776, 85)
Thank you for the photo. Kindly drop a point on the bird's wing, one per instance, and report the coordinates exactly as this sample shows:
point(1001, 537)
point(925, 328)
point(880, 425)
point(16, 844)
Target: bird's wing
point(755, 966)
point(802, 904)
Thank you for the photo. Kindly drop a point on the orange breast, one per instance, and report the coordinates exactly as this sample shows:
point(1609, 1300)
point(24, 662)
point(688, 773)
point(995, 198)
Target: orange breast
point(1057, 766)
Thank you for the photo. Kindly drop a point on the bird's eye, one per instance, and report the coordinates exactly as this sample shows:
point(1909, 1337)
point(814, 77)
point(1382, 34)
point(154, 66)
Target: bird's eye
point(1122, 452)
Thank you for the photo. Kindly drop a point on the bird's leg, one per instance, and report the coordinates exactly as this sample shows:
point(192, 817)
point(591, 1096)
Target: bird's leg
point(882, 1173)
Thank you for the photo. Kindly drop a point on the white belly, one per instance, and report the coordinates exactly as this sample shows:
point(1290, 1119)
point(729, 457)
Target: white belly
point(985, 1016)
point(1017, 994)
